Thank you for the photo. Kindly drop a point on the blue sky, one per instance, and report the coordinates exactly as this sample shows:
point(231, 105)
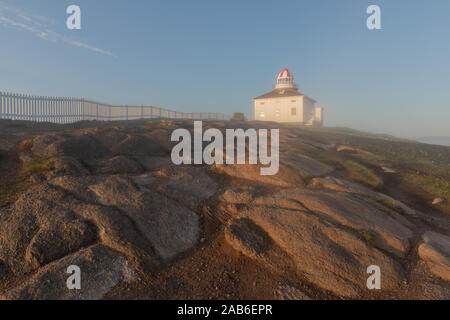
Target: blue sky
point(216, 56)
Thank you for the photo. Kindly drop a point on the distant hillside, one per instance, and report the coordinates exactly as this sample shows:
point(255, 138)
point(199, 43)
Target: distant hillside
point(442, 141)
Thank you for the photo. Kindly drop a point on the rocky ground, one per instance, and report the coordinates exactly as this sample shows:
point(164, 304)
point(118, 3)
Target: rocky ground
point(107, 198)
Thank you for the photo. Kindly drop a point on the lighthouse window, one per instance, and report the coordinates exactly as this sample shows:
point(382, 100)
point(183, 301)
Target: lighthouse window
point(262, 102)
point(294, 101)
point(293, 111)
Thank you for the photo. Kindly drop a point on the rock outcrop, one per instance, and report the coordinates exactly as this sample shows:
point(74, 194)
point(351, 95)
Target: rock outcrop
point(435, 251)
point(110, 201)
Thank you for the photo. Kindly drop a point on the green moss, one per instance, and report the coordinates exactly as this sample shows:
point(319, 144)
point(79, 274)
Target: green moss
point(434, 185)
point(39, 165)
point(386, 205)
point(356, 171)
point(391, 204)
point(10, 192)
point(368, 237)
point(362, 174)
point(26, 145)
point(218, 170)
point(11, 189)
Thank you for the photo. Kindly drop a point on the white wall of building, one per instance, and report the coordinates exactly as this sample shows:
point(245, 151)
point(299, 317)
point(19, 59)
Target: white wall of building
point(319, 115)
point(279, 109)
point(308, 111)
point(286, 104)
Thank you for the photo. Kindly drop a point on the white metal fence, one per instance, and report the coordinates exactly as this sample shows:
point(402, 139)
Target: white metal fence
point(70, 110)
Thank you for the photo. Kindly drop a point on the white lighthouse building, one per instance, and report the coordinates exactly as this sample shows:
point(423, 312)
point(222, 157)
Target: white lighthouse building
point(286, 104)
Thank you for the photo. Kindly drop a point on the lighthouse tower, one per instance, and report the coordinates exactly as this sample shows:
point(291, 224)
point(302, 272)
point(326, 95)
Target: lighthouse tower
point(286, 104)
point(285, 80)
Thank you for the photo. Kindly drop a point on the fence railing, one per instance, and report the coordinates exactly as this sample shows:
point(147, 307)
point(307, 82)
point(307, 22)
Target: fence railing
point(70, 110)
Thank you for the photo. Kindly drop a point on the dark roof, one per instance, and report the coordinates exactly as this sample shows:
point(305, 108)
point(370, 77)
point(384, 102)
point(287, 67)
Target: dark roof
point(279, 93)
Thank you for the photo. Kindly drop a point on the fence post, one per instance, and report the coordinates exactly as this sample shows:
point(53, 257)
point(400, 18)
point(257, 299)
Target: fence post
point(19, 107)
point(8, 106)
point(5, 102)
point(13, 106)
point(26, 108)
point(32, 112)
point(16, 102)
point(1, 105)
point(82, 109)
point(68, 110)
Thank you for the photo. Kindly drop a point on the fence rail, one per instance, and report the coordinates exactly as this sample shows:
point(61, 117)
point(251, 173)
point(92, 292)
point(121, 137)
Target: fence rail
point(69, 110)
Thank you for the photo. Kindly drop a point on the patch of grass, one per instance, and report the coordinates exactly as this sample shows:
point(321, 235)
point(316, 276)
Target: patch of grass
point(320, 155)
point(163, 124)
point(39, 165)
point(436, 186)
point(390, 204)
point(218, 170)
point(369, 158)
point(26, 145)
point(361, 173)
point(368, 237)
point(356, 171)
point(13, 187)
point(11, 192)
point(428, 159)
point(387, 206)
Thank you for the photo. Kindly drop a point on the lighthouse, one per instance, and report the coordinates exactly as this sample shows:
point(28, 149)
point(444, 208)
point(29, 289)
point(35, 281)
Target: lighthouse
point(286, 104)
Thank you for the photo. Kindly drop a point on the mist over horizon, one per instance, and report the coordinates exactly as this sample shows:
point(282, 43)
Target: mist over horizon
point(190, 57)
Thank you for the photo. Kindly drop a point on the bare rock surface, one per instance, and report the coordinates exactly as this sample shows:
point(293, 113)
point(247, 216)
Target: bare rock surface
point(306, 166)
point(435, 251)
point(68, 166)
point(58, 240)
point(102, 269)
point(117, 165)
point(286, 177)
point(139, 145)
point(247, 237)
point(113, 203)
point(79, 146)
point(170, 227)
point(242, 195)
point(36, 231)
point(286, 292)
point(385, 232)
point(154, 163)
point(188, 185)
point(337, 184)
point(340, 257)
